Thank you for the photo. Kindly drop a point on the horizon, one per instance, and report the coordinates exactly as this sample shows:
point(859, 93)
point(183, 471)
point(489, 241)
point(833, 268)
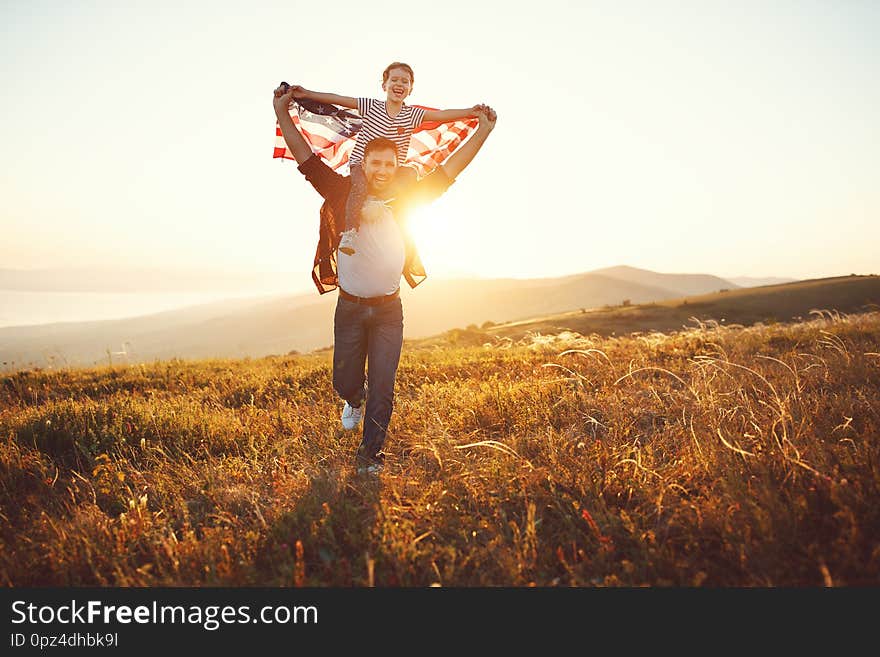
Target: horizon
point(111, 269)
point(739, 141)
point(276, 324)
point(35, 306)
point(155, 280)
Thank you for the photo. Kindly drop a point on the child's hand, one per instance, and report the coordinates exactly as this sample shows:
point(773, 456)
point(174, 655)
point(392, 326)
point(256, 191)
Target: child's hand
point(482, 108)
point(296, 91)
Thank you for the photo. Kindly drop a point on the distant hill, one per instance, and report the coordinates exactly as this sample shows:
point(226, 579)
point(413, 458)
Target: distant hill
point(679, 284)
point(241, 328)
point(235, 329)
point(439, 305)
point(750, 281)
point(746, 306)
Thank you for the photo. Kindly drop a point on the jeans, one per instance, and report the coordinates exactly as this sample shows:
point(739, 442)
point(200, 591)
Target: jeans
point(368, 334)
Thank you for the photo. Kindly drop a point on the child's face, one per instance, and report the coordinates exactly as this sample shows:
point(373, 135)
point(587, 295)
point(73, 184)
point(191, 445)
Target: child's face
point(379, 169)
point(398, 85)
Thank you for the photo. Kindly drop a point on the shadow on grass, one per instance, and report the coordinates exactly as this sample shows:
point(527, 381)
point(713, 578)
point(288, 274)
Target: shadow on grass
point(328, 539)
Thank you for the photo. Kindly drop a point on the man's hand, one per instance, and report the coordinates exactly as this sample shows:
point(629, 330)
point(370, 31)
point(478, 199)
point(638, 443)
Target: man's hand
point(296, 144)
point(486, 115)
point(282, 97)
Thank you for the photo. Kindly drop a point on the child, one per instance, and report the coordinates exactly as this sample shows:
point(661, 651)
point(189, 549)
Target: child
point(390, 118)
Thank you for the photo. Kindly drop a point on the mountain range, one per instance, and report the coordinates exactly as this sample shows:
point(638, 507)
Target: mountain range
point(257, 327)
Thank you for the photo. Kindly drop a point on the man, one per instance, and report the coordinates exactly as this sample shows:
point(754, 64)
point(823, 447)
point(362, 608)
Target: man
point(368, 325)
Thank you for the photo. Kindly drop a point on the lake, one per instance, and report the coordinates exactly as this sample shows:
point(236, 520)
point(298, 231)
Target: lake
point(19, 308)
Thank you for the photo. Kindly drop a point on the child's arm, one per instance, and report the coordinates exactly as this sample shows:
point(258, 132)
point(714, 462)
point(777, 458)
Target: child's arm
point(463, 155)
point(320, 97)
point(444, 116)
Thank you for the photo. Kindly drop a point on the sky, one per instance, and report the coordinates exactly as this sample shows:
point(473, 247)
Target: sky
point(737, 139)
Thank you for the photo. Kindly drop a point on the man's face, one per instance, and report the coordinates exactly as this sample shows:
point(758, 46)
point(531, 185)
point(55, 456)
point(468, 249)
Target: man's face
point(398, 85)
point(379, 168)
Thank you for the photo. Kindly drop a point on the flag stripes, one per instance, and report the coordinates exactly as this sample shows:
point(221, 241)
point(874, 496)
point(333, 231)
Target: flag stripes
point(331, 133)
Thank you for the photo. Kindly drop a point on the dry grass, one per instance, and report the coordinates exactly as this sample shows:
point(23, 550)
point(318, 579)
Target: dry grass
point(718, 456)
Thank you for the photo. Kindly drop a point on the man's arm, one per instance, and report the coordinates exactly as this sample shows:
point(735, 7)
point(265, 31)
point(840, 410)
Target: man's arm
point(292, 137)
point(321, 97)
point(456, 162)
point(327, 182)
point(444, 116)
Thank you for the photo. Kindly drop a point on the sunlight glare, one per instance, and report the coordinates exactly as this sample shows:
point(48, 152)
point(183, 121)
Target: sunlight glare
point(438, 233)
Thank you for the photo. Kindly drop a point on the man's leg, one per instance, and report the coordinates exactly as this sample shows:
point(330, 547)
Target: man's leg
point(349, 351)
point(384, 342)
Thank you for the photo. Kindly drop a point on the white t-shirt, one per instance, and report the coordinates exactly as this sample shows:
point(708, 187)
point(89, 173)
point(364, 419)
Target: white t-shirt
point(380, 253)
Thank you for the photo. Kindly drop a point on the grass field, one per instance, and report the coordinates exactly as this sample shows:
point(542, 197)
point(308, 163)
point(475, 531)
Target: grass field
point(715, 456)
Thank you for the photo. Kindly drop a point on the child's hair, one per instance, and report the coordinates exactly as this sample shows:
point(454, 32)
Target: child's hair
point(379, 144)
point(405, 67)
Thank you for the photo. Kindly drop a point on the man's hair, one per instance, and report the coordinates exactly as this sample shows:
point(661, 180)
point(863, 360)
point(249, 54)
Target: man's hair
point(405, 67)
point(380, 144)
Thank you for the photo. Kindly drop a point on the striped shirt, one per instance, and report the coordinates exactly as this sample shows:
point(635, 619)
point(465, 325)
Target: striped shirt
point(377, 123)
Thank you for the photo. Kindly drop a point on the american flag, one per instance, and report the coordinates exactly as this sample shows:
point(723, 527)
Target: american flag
point(331, 132)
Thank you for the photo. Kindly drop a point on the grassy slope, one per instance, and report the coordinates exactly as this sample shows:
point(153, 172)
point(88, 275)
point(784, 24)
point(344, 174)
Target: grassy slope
point(714, 456)
point(775, 303)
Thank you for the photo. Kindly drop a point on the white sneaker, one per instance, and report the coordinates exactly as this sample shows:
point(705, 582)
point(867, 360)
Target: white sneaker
point(346, 242)
point(371, 469)
point(351, 416)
